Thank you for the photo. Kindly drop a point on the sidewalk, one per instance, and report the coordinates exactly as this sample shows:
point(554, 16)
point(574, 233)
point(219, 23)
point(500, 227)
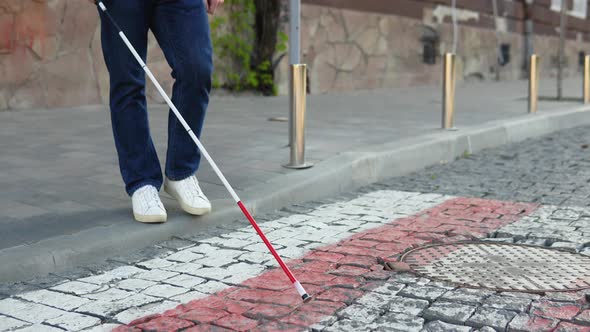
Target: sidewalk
point(62, 201)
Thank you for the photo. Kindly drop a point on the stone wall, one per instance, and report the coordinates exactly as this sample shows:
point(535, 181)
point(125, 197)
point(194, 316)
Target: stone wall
point(347, 49)
point(50, 54)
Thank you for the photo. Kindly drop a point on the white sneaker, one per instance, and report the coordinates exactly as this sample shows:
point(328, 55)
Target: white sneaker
point(189, 195)
point(147, 206)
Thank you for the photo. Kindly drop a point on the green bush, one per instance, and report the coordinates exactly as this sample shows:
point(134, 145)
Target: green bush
point(233, 37)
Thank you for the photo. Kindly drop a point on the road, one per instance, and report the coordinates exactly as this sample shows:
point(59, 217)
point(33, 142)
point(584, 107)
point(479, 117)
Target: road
point(535, 192)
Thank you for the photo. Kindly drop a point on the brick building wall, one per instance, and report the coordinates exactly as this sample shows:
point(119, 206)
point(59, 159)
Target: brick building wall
point(50, 53)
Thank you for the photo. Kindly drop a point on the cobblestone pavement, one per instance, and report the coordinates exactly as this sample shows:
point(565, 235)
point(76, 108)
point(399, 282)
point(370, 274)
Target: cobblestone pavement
point(337, 249)
point(554, 169)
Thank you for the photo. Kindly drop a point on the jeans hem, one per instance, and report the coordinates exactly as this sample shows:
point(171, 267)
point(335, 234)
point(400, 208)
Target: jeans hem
point(133, 189)
point(177, 177)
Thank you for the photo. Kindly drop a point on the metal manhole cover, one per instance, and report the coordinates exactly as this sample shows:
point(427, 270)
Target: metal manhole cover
point(502, 266)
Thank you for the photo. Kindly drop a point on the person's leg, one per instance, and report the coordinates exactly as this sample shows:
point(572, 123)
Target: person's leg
point(138, 160)
point(182, 30)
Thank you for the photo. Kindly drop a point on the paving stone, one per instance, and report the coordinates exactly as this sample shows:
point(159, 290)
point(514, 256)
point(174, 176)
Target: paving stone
point(216, 261)
point(22, 310)
point(133, 313)
point(496, 318)
point(397, 322)
point(339, 295)
point(486, 329)
point(583, 317)
point(187, 297)
point(450, 312)
point(525, 322)
point(438, 326)
point(187, 268)
point(164, 291)
point(165, 324)
point(8, 323)
point(407, 278)
point(389, 288)
point(111, 294)
point(204, 315)
point(210, 287)
point(40, 328)
point(103, 328)
point(237, 322)
point(106, 308)
point(361, 313)
point(55, 299)
point(78, 288)
point(156, 263)
point(156, 275)
point(567, 245)
point(466, 295)
point(422, 292)
point(571, 297)
point(122, 272)
point(183, 256)
point(507, 302)
point(135, 285)
point(71, 321)
point(570, 327)
point(347, 325)
point(215, 273)
point(260, 247)
point(255, 257)
point(240, 272)
point(405, 305)
point(184, 280)
point(558, 310)
point(375, 301)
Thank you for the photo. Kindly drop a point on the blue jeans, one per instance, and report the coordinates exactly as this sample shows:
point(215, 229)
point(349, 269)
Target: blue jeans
point(181, 28)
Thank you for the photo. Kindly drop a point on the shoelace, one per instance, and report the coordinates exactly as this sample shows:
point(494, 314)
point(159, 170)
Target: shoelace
point(150, 198)
point(192, 186)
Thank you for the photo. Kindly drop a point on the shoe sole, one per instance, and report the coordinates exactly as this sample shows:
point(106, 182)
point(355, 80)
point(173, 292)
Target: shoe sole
point(150, 219)
point(185, 207)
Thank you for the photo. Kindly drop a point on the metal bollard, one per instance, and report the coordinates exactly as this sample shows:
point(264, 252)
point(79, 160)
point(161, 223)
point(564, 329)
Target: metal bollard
point(298, 85)
point(586, 86)
point(533, 83)
point(449, 81)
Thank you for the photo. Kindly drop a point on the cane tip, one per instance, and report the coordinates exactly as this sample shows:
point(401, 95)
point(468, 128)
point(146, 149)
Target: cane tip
point(306, 298)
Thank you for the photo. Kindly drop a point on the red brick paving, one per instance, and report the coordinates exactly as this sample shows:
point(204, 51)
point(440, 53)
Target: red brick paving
point(168, 324)
point(268, 311)
point(536, 324)
point(570, 327)
point(557, 310)
point(207, 328)
point(237, 322)
point(203, 315)
point(338, 274)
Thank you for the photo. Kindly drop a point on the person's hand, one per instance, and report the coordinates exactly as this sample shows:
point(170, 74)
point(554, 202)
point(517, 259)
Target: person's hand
point(212, 5)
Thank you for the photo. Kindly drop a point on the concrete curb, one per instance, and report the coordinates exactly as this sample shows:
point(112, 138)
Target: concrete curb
point(345, 172)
